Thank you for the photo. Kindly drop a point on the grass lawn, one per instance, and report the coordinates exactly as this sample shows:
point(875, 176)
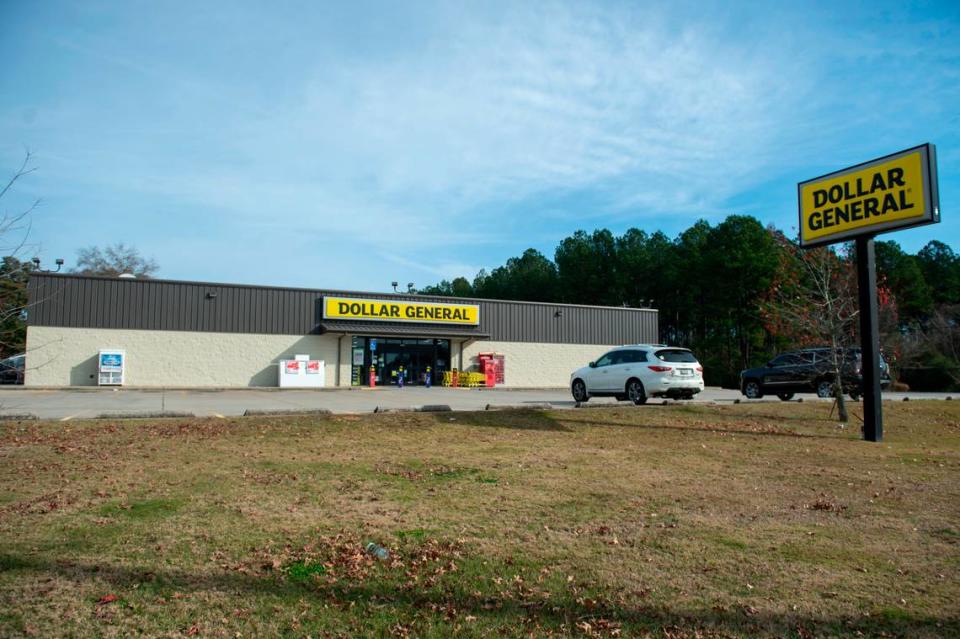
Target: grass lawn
point(679, 521)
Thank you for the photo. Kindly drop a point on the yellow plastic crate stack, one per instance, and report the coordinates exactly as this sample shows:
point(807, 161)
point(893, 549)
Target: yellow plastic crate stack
point(473, 380)
point(465, 379)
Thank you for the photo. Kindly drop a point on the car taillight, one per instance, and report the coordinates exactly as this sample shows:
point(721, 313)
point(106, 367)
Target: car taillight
point(660, 369)
point(699, 369)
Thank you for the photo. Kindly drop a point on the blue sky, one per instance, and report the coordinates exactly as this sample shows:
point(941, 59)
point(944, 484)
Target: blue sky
point(350, 144)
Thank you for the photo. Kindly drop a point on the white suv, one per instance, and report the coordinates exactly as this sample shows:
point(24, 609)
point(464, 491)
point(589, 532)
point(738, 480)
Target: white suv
point(639, 371)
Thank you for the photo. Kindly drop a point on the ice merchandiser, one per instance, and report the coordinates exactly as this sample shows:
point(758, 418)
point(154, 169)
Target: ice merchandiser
point(302, 372)
point(111, 363)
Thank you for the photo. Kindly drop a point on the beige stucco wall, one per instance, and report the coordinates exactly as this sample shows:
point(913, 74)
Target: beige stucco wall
point(533, 365)
point(68, 356)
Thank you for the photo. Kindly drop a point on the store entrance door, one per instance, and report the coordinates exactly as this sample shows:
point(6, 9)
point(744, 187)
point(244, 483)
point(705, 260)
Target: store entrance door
point(413, 356)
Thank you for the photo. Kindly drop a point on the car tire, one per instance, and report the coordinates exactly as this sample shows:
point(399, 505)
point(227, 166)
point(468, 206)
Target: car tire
point(636, 393)
point(752, 389)
point(785, 397)
point(825, 389)
point(579, 391)
point(855, 397)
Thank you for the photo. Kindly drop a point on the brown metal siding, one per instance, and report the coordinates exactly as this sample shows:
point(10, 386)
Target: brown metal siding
point(94, 302)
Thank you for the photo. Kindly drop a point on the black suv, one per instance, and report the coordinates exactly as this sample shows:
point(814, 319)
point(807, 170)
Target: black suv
point(807, 371)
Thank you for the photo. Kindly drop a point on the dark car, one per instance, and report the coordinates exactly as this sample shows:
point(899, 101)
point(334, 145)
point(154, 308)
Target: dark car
point(810, 370)
point(11, 369)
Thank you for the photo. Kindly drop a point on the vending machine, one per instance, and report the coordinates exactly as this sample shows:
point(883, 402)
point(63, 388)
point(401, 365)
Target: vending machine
point(302, 372)
point(110, 364)
point(493, 366)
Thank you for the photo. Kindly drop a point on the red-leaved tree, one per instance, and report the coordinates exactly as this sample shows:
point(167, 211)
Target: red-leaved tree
point(813, 302)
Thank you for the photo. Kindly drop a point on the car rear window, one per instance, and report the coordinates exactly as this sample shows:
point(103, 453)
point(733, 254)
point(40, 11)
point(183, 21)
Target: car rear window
point(677, 355)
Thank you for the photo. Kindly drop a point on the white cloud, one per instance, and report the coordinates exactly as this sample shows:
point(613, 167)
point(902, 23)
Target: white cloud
point(492, 109)
point(500, 111)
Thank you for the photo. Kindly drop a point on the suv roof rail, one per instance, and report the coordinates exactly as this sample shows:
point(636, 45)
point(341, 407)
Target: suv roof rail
point(648, 346)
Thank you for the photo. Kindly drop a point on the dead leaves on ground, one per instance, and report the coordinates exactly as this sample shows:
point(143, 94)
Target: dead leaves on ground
point(824, 503)
point(427, 574)
point(106, 599)
point(40, 505)
point(437, 471)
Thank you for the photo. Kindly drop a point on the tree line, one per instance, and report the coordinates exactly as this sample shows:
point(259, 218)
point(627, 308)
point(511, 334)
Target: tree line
point(715, 289)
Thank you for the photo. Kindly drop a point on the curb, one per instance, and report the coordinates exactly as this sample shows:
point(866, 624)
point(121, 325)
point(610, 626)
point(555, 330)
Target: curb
point(19, 417)
point(267, 412)
point(143, 414)
point(435, 408)
point(530, 406)
point(617, 405)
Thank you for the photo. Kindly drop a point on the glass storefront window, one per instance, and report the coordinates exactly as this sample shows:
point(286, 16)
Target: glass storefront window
point(393, 357)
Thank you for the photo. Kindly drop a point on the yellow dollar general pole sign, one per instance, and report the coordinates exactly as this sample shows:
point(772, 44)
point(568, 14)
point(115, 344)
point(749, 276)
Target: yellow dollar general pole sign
point(350, 308)
point(886, 194)
point(893, 192)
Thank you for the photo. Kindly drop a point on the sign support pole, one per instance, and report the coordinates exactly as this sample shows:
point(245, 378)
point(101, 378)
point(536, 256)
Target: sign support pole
point(869, 339)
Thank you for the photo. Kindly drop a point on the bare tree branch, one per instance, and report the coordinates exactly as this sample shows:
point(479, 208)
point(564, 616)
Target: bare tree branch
point(25, 169)
point(14, 273)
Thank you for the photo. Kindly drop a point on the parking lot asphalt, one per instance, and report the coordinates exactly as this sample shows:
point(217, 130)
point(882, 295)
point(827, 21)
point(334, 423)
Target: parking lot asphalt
point(87, 403)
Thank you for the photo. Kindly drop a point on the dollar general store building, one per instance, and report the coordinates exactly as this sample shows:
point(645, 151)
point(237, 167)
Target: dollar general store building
point(197, 334)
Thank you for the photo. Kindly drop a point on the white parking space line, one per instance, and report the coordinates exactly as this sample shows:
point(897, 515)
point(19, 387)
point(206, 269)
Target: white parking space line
point(67, 418)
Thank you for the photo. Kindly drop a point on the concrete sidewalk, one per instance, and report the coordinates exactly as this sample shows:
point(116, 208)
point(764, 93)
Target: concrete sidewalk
point(70, 404)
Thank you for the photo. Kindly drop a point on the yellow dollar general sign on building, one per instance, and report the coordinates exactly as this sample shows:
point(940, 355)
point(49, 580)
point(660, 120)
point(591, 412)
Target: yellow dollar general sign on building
point(350, 308)
point(892, 192)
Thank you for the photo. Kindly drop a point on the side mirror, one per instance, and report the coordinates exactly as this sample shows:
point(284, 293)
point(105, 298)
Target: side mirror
point(593, 364)
point(770, 364)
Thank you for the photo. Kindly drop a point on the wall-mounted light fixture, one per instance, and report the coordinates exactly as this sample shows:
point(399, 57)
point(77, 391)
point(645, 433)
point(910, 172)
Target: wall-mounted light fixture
point(36, 265)
point(211, 295)
point(558, 313)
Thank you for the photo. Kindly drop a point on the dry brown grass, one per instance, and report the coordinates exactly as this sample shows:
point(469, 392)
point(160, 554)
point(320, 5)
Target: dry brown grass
point(663, 521)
